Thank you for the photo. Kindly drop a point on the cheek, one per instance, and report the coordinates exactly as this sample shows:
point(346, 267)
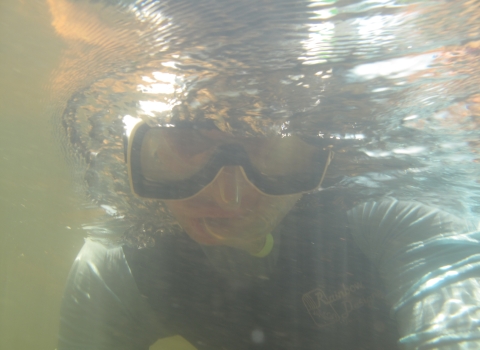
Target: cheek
point(280, 206)
point(178, 208)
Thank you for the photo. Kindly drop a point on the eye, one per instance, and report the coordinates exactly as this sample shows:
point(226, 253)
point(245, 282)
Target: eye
point(188, 143)
point(169, 155)
point(277, 156)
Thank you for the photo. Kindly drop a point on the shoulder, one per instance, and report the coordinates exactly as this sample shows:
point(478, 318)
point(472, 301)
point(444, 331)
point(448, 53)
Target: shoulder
point(99, 259)
point(101, 283)
point(387, 225)
point(392, 214)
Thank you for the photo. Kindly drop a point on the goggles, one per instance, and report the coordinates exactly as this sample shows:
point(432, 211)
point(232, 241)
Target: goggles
point(174, 163)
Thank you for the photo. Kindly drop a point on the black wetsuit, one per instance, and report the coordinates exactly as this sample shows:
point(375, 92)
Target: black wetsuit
point(321, 287)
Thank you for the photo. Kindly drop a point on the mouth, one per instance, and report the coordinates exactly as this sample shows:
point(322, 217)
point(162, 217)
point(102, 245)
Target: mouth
point(213, 231)
point(201, 234)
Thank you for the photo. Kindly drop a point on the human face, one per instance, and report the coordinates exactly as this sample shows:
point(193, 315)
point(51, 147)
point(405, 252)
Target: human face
point(230, 211)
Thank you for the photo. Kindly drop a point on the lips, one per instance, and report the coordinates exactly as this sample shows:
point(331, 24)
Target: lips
point(200, 234)
point(210, 221)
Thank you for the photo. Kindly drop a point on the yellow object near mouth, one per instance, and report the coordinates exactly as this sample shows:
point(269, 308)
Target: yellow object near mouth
point(267, 248)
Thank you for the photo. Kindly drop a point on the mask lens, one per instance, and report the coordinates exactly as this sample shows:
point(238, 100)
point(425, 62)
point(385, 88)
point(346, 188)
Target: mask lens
point(282, 156)
point(176, 163)
point(172, 155)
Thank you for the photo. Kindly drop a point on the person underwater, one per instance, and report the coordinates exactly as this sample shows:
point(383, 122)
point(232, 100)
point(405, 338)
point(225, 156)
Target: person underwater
point(262, 275)
point(205, 132)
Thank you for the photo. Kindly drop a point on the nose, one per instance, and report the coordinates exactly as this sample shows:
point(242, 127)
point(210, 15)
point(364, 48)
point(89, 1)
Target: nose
point(229, 186)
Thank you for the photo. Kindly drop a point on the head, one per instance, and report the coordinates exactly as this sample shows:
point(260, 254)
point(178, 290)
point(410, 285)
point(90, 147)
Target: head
point(222, 189)
point(265, 111)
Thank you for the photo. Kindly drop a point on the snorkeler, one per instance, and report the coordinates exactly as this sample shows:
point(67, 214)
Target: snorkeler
point(224, 225)
point(253, 280)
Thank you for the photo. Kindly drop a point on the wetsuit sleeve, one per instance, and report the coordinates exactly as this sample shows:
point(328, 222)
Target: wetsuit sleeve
point(430, 262)
point(102, 307)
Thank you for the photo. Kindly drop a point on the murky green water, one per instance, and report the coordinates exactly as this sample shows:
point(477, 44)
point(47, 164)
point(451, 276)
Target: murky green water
point(37, 203)
point(413, 108)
